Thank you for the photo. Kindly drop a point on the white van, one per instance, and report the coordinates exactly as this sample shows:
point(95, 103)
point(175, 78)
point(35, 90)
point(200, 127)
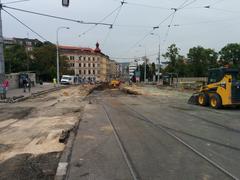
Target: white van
point(66, 79)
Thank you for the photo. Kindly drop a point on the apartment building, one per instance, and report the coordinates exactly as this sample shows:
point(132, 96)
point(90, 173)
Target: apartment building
point(88, 63)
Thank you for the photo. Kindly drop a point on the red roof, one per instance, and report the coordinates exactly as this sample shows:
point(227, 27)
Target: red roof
point(76, 48)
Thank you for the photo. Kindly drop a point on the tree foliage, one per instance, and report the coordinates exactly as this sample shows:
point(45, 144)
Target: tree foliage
point(15, 59)
point(200, 60)
point(230, 54)
point(176, 61)
point(41, 60)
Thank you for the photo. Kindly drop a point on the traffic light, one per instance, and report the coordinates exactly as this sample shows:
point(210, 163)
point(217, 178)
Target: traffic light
point(65, 3)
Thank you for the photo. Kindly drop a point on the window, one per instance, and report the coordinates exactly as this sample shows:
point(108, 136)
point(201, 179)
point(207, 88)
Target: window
point(89, 65)
point(98, 58)
point(80, 58)
point(89, 71)
point(93, 65)
point(84, 72)
point(214, 76)
point(93, 58)
point(80, 72)
point(93, 72)
point(84, 65)
point(80, 64)
point(84, 58)
point(89, 59)
point(71, 57)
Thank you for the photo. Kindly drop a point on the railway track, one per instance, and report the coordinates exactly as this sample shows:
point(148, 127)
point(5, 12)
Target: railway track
point(187, 145)
point(169, 132)
point(124, 152)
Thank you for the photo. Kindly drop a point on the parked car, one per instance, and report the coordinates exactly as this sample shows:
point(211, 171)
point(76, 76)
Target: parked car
point(67, 79)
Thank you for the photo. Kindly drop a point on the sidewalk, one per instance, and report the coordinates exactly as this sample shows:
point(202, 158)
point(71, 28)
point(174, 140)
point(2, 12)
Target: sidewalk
point(38, 88)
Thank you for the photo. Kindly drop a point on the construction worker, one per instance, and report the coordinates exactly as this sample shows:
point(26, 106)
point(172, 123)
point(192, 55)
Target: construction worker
point(54, 82)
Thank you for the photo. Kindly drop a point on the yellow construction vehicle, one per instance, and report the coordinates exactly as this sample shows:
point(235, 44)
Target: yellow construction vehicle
point(222, 89)
point(115, 83)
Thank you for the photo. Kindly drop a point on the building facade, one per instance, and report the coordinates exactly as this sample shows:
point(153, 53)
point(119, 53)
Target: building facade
point(26, 42)
point(89, 64)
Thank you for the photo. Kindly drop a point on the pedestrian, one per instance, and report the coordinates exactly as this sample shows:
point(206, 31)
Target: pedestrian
point(29, 84)
point(54, 82)
point(5, 88)
point(25, 84)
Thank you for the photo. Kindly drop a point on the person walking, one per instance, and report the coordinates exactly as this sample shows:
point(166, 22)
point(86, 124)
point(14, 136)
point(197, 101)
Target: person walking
point(24, 84)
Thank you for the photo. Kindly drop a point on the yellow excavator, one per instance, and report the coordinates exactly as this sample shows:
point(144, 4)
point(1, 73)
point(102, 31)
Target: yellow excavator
point(222, 89)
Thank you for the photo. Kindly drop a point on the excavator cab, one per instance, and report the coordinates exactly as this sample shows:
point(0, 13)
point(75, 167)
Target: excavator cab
point(222, 89)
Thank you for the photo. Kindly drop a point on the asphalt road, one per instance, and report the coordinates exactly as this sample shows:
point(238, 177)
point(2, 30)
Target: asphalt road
point(154, 137)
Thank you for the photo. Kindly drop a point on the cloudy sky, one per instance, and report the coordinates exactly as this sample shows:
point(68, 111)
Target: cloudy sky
point(130, 36)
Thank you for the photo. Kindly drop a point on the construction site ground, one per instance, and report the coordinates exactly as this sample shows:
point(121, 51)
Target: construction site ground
point(30, 131)
point(152, 136)
point(156, 135)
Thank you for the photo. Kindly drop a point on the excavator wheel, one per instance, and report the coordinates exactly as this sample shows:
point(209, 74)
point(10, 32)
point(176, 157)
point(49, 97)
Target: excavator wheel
point(203, 99)
point(215, 101)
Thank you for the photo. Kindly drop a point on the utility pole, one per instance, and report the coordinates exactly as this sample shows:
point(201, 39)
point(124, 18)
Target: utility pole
point(2, 65)
point(58, 73)
point(159, 61)
point(145, 69)
point(159, 54)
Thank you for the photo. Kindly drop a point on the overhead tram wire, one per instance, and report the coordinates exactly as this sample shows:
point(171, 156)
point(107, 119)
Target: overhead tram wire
point(218, 1)
point(13, 2)
point(57, 17)
point(25, 25)
point(102, 20)
point(114, 21)
point(148, 6)
point(188, 4)
point(182, 6)
point(153, 28)
point(169, 26)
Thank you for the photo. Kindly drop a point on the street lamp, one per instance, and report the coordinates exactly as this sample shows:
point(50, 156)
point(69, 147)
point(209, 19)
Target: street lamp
point(159, 56)
point(58, 29)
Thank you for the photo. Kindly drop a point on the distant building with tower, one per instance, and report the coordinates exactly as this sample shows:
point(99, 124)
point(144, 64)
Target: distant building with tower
point(89, 64)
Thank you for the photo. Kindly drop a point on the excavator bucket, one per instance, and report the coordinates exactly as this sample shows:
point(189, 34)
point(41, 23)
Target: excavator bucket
point(193, 99)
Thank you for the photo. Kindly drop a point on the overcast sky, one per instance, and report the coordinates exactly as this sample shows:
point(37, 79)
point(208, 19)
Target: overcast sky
point(191, 26)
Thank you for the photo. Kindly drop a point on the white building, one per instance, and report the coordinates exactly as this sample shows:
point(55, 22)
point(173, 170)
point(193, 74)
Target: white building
point(132, 68)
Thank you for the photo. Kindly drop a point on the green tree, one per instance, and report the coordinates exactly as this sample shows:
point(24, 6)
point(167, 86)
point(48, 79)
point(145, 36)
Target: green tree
point(44, 62)
point(200, 60)
point(15, 59)
point(230, 54)
point(177, 62)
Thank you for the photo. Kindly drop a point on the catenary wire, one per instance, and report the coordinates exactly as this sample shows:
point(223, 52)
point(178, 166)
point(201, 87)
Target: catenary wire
point(13, 2)
point(148, 6)
point(25, 25)
point(103, 19)
point(58, 17)
point(114, 21)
